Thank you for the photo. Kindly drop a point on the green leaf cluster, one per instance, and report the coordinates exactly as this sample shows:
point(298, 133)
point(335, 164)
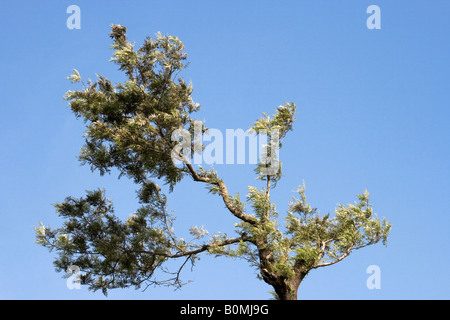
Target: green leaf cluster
point(129, 124)
point(319, 240)
point(275, 130)
point(112, 253)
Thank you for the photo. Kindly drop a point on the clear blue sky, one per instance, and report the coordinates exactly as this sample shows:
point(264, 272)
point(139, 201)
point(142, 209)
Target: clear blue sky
point(373, 112)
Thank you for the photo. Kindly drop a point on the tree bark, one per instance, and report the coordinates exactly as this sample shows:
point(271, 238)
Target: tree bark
point(287, 289)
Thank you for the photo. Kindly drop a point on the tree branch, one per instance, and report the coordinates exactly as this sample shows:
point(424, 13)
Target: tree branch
point(343, 256)
point(203, 248)
point(268, 185)
point(322, 249)
point(223, 191)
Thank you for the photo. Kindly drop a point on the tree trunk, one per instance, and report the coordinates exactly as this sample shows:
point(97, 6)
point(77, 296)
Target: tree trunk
point(287, 289)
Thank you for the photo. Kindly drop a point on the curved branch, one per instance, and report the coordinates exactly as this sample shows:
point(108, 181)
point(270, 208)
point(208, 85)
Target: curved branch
point(342, 257)
point(203, 248)
point(223, 191)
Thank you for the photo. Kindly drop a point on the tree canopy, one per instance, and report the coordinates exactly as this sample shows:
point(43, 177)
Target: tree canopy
point(129, 127)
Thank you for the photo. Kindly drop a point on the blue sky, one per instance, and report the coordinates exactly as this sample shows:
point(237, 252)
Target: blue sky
point(372, 112)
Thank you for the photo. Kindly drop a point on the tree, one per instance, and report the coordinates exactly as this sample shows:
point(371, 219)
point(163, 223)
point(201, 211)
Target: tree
point(129, 128)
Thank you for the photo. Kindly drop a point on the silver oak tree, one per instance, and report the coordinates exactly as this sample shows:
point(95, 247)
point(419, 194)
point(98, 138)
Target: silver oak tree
point(129, 128)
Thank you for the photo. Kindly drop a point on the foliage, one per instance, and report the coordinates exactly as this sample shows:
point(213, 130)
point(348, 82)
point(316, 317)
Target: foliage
point(129, 128)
